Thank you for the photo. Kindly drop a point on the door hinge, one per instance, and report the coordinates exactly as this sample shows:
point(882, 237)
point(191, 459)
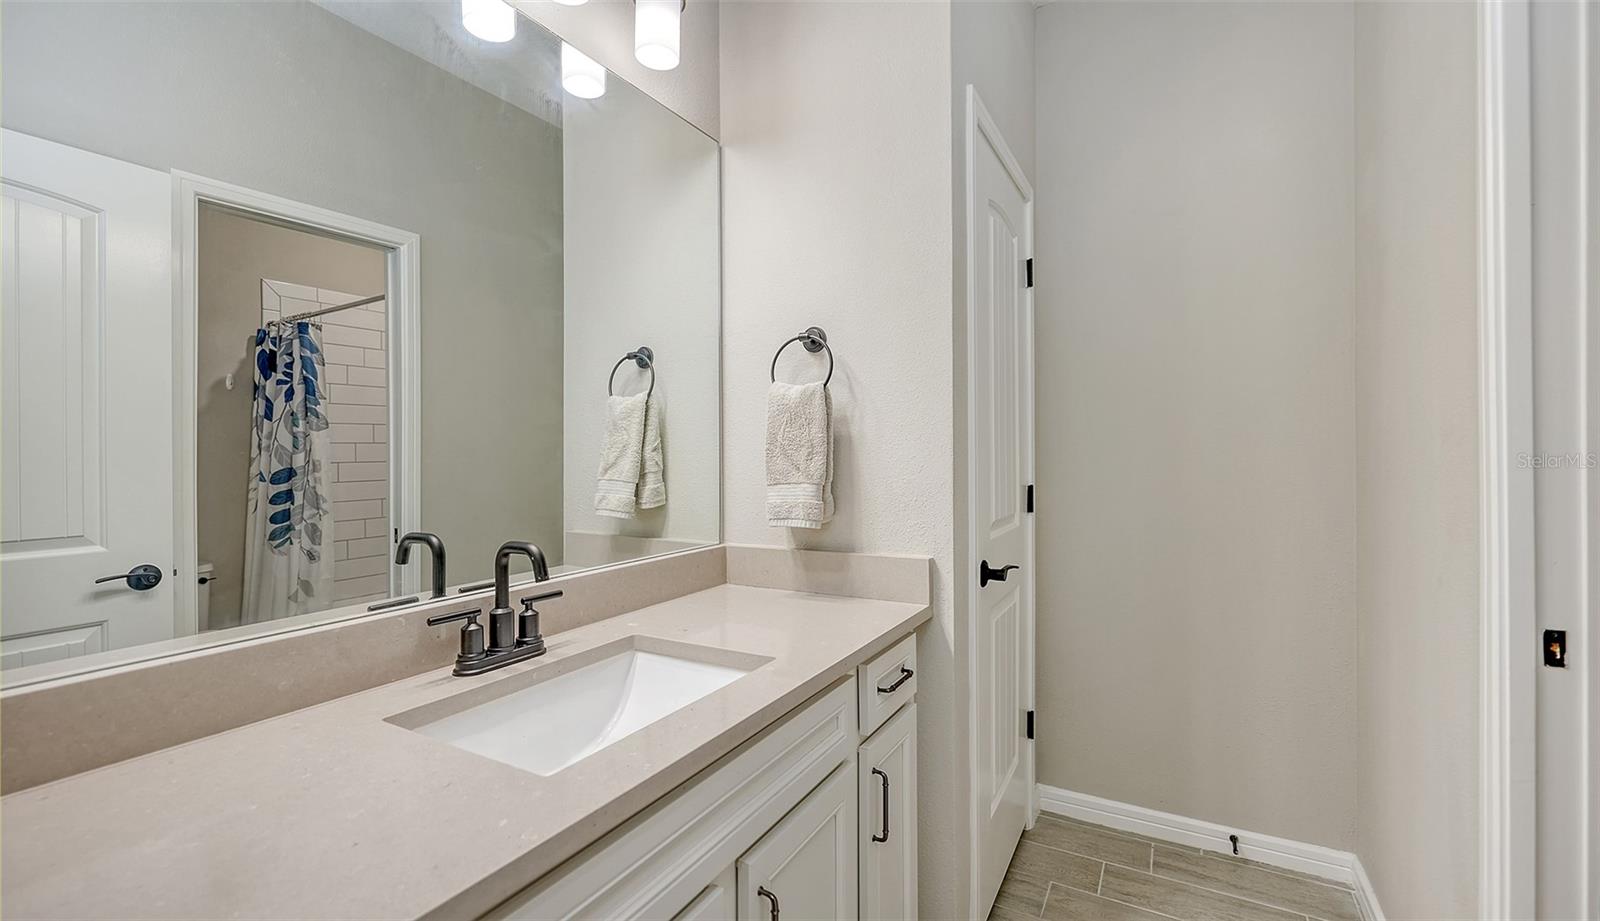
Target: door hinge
point(1030, 724)
point(1030, 498)
point(1028, 270)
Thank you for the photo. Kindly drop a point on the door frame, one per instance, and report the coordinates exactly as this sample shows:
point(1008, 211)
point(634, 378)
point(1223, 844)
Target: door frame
point(980, 124)
point(1507, 623)
point(405, 368)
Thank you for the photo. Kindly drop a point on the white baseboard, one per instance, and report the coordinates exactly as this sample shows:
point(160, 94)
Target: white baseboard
point(1366, 896)
point(1337, 866)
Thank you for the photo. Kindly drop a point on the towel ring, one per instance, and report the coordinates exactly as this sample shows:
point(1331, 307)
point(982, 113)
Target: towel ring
point(813, 340)
point(645, 359)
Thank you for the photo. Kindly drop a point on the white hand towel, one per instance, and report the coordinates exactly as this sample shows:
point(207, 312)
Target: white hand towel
point(799, 455)
point(653, 483)
point(622, 458)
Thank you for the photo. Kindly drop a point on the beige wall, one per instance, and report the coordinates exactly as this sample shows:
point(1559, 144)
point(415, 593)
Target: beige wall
point(1416, 353)
point(235, 254)
point(1196, 510)
point(288, 99)
point(836, 212)
point(642, 260)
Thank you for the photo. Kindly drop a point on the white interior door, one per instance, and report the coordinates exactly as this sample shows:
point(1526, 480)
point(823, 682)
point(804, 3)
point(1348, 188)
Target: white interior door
point(86, 334)
point(1000, 430)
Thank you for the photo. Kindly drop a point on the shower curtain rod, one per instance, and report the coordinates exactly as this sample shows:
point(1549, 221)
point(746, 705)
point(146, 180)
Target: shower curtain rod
point(317, 313)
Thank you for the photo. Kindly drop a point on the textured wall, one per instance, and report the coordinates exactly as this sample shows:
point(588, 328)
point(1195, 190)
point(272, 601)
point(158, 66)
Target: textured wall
point(1416, 373)
point(1196, 530)
point(836, 212)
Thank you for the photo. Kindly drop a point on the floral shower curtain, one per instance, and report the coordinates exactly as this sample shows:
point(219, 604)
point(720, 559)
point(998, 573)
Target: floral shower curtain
point(288, 538)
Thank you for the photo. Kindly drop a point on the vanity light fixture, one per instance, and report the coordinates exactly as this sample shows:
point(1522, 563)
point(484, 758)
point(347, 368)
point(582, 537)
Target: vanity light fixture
point(656, 31)
point(490, 20)
point(581, 75)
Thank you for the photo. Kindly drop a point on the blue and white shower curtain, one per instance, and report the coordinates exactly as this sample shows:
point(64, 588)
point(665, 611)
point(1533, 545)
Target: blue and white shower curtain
point(288, 564)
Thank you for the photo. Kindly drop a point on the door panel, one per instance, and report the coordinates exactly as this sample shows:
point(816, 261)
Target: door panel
point(807, 861)
point(1000, 329)
point(886, 774)
point(86, 439)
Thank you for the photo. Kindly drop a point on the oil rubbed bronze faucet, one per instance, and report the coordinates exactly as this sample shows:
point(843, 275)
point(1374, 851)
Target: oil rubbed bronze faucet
point(402, 555)
point(513, 637)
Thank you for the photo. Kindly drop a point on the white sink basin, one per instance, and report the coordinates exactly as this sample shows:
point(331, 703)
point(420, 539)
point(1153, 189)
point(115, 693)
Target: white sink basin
point(550, 725)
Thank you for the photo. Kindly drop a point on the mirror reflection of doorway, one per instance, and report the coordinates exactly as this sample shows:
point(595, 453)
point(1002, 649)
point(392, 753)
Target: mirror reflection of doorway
point(292, 447)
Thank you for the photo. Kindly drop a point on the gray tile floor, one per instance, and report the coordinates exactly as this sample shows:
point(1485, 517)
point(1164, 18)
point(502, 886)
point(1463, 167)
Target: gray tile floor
point(1065, 870)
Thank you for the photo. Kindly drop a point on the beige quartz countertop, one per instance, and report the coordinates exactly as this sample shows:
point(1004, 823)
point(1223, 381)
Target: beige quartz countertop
point(335, 812)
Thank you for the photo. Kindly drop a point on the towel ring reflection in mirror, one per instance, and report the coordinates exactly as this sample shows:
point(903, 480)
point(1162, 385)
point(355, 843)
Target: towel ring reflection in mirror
point(813, 340)
point(645, 359)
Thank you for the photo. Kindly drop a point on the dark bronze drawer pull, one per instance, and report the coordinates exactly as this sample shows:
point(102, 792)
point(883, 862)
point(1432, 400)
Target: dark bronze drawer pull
point(905, 675)
point(885, 836)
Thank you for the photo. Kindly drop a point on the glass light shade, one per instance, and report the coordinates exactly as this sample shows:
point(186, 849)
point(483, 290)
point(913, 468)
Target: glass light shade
point(581, 75)
point(490, 20)
point(655, 32)
point(572, 2)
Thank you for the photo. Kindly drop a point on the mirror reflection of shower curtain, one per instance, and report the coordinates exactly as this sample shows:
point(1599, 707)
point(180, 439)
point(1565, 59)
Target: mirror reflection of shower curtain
point(288, 568)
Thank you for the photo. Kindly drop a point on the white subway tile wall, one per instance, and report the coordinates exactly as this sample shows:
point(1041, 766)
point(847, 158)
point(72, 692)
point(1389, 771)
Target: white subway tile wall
point(354, 344)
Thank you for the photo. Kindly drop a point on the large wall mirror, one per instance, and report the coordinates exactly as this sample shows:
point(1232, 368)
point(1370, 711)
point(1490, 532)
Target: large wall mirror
point(284, 281)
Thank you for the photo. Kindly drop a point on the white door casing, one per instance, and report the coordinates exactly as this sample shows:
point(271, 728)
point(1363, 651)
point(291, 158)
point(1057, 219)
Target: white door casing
point(405, 366)
point(1565, 38)
point(87, 456)
point(1000, 528)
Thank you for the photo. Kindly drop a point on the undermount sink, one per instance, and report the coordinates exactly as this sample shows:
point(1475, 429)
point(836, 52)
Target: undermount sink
point(561, 720)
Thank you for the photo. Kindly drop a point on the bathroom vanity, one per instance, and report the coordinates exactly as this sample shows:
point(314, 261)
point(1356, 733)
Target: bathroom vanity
point(736, 752)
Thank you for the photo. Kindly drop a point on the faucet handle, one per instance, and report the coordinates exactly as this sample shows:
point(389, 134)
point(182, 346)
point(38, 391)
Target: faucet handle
point(471, 634)
point(528, 634)
point(470, 614)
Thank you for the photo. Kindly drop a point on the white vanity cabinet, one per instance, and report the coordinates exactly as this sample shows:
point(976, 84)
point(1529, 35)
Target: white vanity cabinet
point(806, 865)
point(788, 825)
point(886, 783)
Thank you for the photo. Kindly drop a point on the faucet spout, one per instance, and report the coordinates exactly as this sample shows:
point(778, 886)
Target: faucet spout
point(502, 620)
point(402, 555)
point(502, 568)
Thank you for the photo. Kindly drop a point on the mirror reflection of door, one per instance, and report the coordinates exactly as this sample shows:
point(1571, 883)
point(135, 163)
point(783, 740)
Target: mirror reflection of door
point(86, 419)
point(292, 448)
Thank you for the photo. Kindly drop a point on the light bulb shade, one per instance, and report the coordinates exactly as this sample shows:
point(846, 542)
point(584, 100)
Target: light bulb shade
point(572, 2)
point(655, 32)
point(581, 75)
point(490, 20)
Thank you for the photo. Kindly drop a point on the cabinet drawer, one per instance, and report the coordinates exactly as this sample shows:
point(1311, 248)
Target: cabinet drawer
point(887, 682)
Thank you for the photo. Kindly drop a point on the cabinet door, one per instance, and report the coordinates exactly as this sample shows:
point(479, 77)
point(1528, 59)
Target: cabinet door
point(887, 780)
point(805, 867)
point(714, 903)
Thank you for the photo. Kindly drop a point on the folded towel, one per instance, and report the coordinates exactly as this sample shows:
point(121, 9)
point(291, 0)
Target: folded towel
point(622, 458)
point(799, 455)
point(652, 491)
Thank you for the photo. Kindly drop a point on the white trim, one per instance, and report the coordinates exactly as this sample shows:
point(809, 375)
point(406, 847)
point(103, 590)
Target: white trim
point(1366, 896)
point(979, 120)
point(1330, 864)
point(405, 367)
point(1507, 807)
